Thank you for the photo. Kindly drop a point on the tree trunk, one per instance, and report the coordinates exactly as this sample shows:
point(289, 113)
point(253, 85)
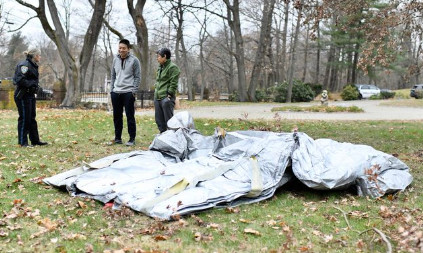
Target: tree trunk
point(266, 25)
point(203, 78)
point(306, 55)
point(355, 63)
point(91, 81)
point(142, 39)
point(293, 54)
point(235, 25)
point(276, 59)
point(202, 39)
point(334, 71)
point(230, 45)
point(329, 63)
point(272, 76)
point(180, 42)
point(350, 66)
point(317, 76)
point(284, 38)
point(416, 59)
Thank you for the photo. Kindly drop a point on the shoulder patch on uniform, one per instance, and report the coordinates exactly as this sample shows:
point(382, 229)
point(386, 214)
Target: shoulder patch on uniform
point(24, 69)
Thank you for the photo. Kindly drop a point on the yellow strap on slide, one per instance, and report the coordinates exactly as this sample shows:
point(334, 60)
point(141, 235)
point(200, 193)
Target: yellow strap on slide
point(184, 183)
point(256, 179)
point(175, 189)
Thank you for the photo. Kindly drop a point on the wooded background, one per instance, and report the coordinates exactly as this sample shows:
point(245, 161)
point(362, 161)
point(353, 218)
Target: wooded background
point(221, 46)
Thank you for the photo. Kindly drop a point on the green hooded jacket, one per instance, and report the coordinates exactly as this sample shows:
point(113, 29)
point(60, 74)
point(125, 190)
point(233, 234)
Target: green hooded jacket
point(167, 76)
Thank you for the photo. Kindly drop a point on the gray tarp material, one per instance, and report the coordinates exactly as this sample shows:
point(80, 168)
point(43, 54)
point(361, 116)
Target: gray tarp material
point(185, 171)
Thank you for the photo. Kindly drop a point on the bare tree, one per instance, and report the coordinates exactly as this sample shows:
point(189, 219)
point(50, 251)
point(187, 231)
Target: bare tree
point(281, 41)
point(306, 54)
point(266, 25)
point(202, 37)
point(299, 6)
point(76, 65)
point(176, 13)
point(142, 38)
point(234, 21)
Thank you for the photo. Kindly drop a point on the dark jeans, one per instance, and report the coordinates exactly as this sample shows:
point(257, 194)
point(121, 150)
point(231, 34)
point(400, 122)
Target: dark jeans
point(163, 112)
point(27, 125)
point(119, 101)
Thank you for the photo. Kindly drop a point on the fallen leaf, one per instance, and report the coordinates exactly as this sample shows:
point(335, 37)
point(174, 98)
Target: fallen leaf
point(82, 204)
point(232, 210)
point(48, 224)
point(160, 238)
point(316, 232)
point(17, 201)
point(244, 221)
point(213, 225)
point(76, 236)
point(251, 231)
point(286, 228)
point(197, 236)
point(89, 248)
point(304, 248)
point(328, 238)
point(271, 223)
point(360, 244)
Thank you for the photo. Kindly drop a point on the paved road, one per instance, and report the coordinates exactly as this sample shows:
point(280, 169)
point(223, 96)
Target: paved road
point(372, 111)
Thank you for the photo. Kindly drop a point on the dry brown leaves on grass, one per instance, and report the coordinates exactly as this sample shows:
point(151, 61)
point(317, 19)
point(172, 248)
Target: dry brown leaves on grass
point(123, 212)
point(161, 231)
point(409, 234)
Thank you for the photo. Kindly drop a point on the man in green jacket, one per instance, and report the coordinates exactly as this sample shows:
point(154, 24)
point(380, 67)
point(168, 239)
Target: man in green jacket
point(165, 88)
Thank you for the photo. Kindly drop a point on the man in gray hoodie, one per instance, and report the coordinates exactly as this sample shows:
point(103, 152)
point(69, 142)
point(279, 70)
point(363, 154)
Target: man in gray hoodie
point(126, 77)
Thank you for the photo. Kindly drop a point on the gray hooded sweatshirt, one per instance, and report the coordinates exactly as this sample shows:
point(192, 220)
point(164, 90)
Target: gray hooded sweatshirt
point(126, 75)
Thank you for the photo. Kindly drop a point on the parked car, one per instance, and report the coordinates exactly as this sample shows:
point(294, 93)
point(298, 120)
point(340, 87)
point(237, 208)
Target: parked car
point(367, 90)
point(417, 91)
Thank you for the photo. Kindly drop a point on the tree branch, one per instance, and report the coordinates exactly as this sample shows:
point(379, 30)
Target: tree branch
point(345, 216)
point(383, 236)
point(28, 5)
point(20, 27)
point(106, 23)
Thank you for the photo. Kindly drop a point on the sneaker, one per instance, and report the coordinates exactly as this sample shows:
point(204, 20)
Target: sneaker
point(130, 142)
point(117, 141)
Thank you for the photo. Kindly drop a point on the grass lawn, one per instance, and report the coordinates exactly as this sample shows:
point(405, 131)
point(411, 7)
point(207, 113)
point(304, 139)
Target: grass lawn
point(39, 218)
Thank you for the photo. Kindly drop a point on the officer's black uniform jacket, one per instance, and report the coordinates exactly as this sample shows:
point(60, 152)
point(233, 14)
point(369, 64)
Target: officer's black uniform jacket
point(26, 76)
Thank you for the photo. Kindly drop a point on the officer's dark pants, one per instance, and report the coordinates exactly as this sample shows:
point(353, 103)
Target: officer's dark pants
point(127, 101)
point(27, 125)
point(163, 112)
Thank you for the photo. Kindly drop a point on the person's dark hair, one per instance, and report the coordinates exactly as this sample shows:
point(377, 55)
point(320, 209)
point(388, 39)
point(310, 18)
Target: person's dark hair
point(126, 42)
point(164, 51)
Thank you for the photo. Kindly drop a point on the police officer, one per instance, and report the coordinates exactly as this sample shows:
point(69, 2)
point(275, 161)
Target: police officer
point(26, 81)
